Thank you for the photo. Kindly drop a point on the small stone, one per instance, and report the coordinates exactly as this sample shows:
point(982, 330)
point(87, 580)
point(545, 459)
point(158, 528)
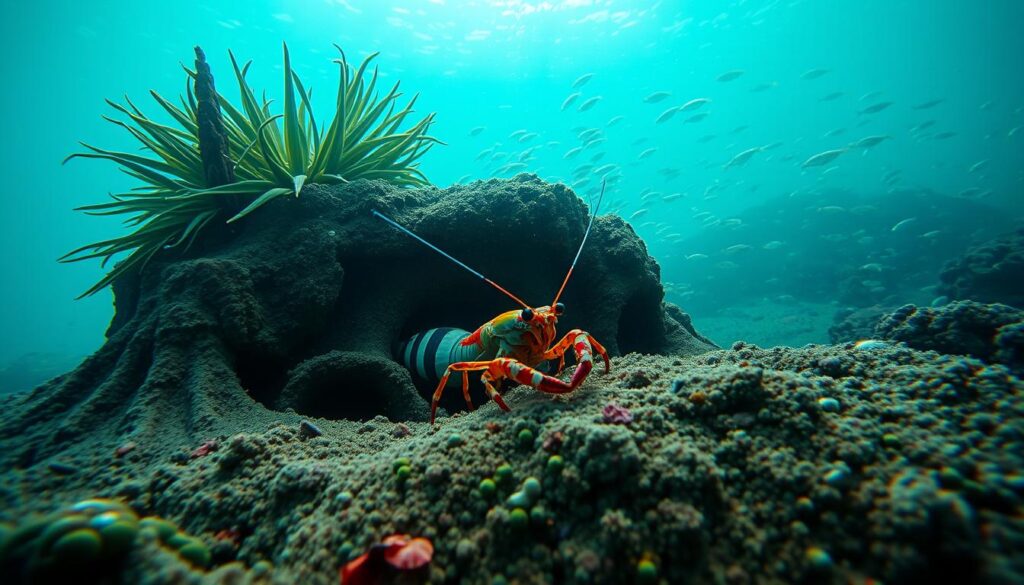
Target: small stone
point(818, 559)
point(78, 546)
point(465, 550)
point(403, 473)
point(344, 498)
point(503, 473)
point(196, 552)
point(891, 440)
point(488, 488)
point(646, 572)
point(555, 464)
point(401, 462)
point(518, 500)
point(518, 518)
point(454, 440)
point(828, 404)
point(677, 385)
point(531, 487)
point(526, 438)
point(308, 430)
point(837, 476)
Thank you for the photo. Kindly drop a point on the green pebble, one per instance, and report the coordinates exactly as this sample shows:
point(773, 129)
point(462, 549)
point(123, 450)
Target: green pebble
point(538, 515)
point(526, 438)
point(531, 487)
point(818, 558)
point(403, 473)
point(165, 529)
point(950, 478)
point(179, 540)
point(518, 518)
point(345, 550)
point(518, 500)
point(78, 546)
point(503, 473)
point(488, 487)
point(454, 440)
point(196, 552)
point(119, 537)
point(555, 464)
point(61, 526)
point(400, 463)
point(646, 572)
point(890, 440)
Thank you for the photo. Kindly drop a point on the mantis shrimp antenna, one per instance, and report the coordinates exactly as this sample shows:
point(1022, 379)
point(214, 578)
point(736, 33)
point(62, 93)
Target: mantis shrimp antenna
point(578, 252)
point(405, 230)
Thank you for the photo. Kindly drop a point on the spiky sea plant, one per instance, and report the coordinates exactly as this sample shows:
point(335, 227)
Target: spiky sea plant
point(271, 158)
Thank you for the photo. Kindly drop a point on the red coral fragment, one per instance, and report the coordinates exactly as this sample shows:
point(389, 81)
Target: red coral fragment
point(617, 415)
point(398, 553)
point(205, 449)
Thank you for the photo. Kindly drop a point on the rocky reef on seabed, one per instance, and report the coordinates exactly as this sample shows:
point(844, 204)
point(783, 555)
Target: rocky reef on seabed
point(249, 419)
point(992, 272)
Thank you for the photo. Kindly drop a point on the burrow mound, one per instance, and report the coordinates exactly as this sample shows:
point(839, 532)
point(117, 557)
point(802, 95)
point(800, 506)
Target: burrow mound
point(298, 313)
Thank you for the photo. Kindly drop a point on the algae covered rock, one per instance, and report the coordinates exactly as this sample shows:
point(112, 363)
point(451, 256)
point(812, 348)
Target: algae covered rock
point(297, 315)
point(993, 333)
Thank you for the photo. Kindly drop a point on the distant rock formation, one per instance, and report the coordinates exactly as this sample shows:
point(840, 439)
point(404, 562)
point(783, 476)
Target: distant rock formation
point(990, 273)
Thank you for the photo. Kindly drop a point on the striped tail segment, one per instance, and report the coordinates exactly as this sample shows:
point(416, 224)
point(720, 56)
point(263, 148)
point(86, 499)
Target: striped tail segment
point(428, 354)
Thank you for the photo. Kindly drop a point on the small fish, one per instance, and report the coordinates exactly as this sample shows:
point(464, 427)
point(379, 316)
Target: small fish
point(696, 257)
point(582, 169)
point(875, 108)
point(870, 96)
point(696, 118)
point(605, 169)
point(647, 153)
point(729, 75)
point(527, 137)
point(694, 104)
point(870, 141)
point(513, 166)
point(667, 115)
point(773, 245)
point(476, 131)
point(737, 248)
point(656, 97)
point(484, 153)
point(814, 74)
point(944, 135)
point(903, 224)
point(923, 126)
point(977, 166)
point(570, 99)
point(615, 120)
point(764, 86)
point(518, 133)
point(835, 132)
point(706, 138)
point(589, 103)
point(822, 158)
point(927, 105)
point(872, 267)
point(742, 158)
point(638, 213)
point(831, 209)
point(832, 96)
point(931, 234)
point(1013, 131)
point(573, 152)
point(582, 80)
point(739, 129)
point(672, 197)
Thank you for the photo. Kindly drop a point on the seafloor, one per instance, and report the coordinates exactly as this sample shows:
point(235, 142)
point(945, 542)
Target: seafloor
point(854, 463)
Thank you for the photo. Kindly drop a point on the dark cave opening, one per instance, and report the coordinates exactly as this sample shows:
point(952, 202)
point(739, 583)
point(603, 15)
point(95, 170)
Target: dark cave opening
point(640, 316)
point(261, 376)
point(343, 385)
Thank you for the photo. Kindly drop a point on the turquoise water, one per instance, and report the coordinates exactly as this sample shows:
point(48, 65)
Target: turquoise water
point(811, 74)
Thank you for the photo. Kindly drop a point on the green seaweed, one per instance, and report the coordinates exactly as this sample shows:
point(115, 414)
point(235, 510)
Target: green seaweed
point(174, 205)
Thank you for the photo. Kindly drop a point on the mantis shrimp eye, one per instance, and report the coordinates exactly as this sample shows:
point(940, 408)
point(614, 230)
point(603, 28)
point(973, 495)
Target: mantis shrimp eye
point(559, 308)
point(526, 315)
